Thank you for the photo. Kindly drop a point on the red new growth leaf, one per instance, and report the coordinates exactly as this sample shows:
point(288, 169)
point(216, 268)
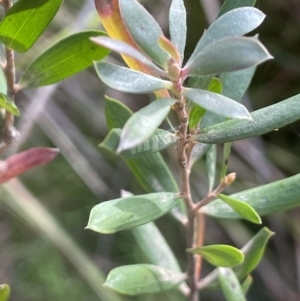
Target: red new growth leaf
point(24, 161)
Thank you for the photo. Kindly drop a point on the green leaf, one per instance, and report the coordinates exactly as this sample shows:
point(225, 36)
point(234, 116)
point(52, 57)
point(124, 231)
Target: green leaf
point(177, 25)
point(125, 213)
point(247, 284)
point(234, 23)
point(253, 252)
point(128, 50)
point(26, 21)
point(142, 124)
point(219, 255)
point(226, 55)
point(8, 104)
point(130, 81)
point(211, 166)
point(144, 30)
point(67, 57)
point(263, 121)
point(217, 103)
point(236, 83)
point(150, 171)
point(230, 285)
point(277, 196)
point(4, 292)
point(142, 278)
point(160, 140)
point(228, 5)
point(241, 208)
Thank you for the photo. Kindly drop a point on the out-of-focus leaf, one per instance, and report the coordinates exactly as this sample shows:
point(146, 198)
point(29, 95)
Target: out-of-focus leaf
point(247, 284)
point(274, 197)
point(236, 22)
point(144, 30)
point(67, 57)
point(125, 213)
point(4, 292)
point(199, 150)
point(241, 208)
point(230, 285)
point(219, 255)
point(142, 124)
point(263, 121)
point(253, 252)
point(26, 21)
point(211, 165)
point(177, 25)
point(128, 50)
point(150, 170)
point(19, 163)
point(217, 103)
point(160, 140)
point(236, 83)
point(226, 55)
point(8, 104)
point(142, 278)
point(127, 80)
point(3, 84)
point(228, 5)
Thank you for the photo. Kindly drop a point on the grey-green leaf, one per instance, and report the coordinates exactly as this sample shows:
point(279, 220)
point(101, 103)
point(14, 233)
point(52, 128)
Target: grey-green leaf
point(160, 140)
point(26, 21)
point(226, 55)
point(228, 5)
point(67, 57)
point(130, 81)
point(123, 48)
point(211, 166)
point(177, 25)
point(220, 255)
point(270, 198)
point(263, 121)
point(144, 30)
point(7, 104)
point(125, 213)
point(142, 124)
point(217, 103)
point(142, 278)
point(230, 285)
point(3, 83)
point(236, 22)
point(241, 208)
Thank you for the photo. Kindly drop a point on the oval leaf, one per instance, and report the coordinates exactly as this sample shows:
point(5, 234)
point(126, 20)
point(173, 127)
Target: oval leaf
point(253, 252)
point(142, 124)
point(177, 25)
point(4, 292)
point(160, 140)
point(8, 104)
point(263, 121)
point(220, 255)
point(130, 81)
point(67, 57)
point(277, 196)
point(123, 48)
point(125, 213)
point(241, 208)
point(26, 21)
point(226, 55)
point(217, 103)
point(144, 30)
point(236, 22)
point(230, 285)
point(142, 278)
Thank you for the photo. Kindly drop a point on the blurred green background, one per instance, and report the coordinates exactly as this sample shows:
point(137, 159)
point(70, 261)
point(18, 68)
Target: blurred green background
point(45, 253)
